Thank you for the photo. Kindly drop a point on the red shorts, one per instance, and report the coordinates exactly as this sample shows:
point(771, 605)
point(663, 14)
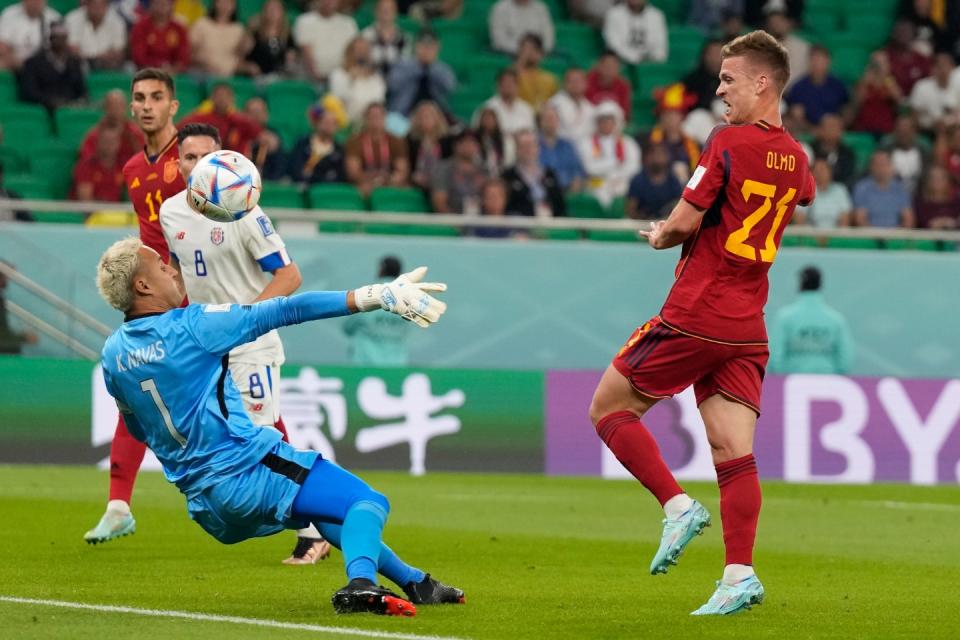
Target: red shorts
point(660, 362)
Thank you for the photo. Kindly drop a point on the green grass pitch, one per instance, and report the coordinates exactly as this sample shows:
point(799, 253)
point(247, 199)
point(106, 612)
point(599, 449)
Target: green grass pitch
point(538, 557)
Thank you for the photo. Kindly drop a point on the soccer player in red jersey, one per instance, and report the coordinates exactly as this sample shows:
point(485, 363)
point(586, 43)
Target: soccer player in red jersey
point(710, 332)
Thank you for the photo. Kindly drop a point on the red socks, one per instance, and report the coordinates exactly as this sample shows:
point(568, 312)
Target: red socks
point(282, 428)
point(739, 507)
point(636, 449)
point(126, 454)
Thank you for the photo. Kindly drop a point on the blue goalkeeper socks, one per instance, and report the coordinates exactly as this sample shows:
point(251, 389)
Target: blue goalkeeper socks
point(362, 530)
point(389, 563)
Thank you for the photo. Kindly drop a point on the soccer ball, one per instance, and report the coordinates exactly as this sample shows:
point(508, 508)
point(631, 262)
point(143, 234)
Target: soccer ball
point(224, 186)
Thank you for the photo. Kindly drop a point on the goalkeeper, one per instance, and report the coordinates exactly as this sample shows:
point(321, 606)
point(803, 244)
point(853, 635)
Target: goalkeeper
point(167, 369)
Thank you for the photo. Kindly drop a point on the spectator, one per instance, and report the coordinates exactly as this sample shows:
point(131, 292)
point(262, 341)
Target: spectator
point(879, 199)
point(427, 143)
point(513, 114)
point(780, 25)
point(928, 22)
point(53, 76)
point(573, 107)
point(705, 79)
point(266, 151)
point(375, 341)
point(636, 31)
point(22, 29)
point(731, 28)
point(9, 215)
point(100, 178)
point(270, 45)
point(937, 204)
point(684, 151)
point(510, 20)
point(818, 92)
point(388, 43)
point(322, 35)
point(808, 335)
point(936, 96)
point(97, 33)
point(357, 83)
point(908, 155)
point(422, 78)
point(754, 11)
point(604, 83)
point(218, 40)
point(458, 180)
point(876, 97)
point(946, 150)
point(237, 131)
point(318, 157)
point(907, 64)
point(493, 204)
point(425, 11)
point(609, 157)
point(535, 84)
point(11, 342)
point(710, 15)
point(828, 144)
point(832, 207)
point(653, 191)
point(558, 153)
point(534, 189)
point(590, 11)
point(115, 110)
point(374, 158)
point(497, 149)
point(157, 40)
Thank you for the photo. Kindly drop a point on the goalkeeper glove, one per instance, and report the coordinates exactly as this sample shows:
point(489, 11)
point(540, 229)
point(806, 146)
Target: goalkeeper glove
point(406, 296)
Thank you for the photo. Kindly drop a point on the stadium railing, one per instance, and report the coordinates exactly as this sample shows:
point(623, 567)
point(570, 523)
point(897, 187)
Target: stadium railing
point(312, 218)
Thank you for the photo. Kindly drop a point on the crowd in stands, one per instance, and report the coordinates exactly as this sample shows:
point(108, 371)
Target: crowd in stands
point(624, 125)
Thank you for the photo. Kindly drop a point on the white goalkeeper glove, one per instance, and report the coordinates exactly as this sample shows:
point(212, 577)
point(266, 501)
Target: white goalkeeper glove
point(406, 296)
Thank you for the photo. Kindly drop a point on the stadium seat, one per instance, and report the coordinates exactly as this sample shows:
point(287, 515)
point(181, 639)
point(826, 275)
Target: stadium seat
point(53, 162)
point(24, 124)
point(336, 197)
point(819, 23)
point(852, 243)
point(685, 45)
point(72, 124)
point(862, 144)
point(578, 42)
point(13, 160)
point(618, 208)
point(650, 76)
point(849, 61)
point(612, 236)
point(583, 205)
point(8, 88)
point(398, 200)
point(99, 83)
point(463, 104)
point(675, 11)
point(32, 187)
point(243, 89)
point(189, 94)
point(289, 101)
point(246, 9)
point(280, 194)
point(443, 231)
point(872, 29)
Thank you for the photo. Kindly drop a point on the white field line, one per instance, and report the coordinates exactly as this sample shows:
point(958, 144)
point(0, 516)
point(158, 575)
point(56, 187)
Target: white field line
point(206, 617)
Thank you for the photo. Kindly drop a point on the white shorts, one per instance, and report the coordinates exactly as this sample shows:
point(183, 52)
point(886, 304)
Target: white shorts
point(258, 384)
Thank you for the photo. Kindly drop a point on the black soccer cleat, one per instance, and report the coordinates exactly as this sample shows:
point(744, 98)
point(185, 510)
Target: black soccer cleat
point(363, 596)
point(430, 591)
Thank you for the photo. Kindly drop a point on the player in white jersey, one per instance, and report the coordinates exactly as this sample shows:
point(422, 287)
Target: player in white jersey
point(244, 261)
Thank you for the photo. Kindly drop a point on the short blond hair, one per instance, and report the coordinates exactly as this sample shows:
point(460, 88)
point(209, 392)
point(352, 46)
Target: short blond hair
point(115, 272)
point(762, 48)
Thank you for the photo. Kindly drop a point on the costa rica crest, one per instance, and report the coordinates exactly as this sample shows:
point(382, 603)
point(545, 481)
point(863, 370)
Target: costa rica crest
point(216, 235)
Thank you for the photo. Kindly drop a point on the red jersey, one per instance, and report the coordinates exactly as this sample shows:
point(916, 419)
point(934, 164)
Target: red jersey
point(107, 181)
point(153, 45)
point(149, 183)
point(750, 179)
point(130, 142)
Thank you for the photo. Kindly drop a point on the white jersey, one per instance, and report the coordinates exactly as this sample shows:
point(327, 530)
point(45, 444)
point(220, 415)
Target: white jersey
point(225, 262)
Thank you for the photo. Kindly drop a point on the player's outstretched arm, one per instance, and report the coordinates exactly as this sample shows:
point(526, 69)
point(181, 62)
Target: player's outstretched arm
point(406, 296)
point(682, 222)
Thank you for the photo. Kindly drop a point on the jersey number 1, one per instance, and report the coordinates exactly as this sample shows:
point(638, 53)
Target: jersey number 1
point(149, 386)
point(737, 241)
point(153, 207)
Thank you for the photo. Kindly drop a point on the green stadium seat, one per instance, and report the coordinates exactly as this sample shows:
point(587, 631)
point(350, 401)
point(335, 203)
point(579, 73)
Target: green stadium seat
point(675, 11)
point(243, 88)
point(72, 124)
point(820, 23)
point(618, 208)
point(33, 187)
point(872, 29)
point(189, 95)
point(336, 197)
point(584, 205)
point(63, 7)
point(399, 200)
point(280, 194)
point(914, 245)
point(442, 231)
point(651, 76)
point(24, 124)
point(13, 160)
point(463, 104)
point(246, 9)
point(612, 236)
point(290, 98)
point(852, 243)
point(53, 162)
point(578, 42)
point(862, 144)
point(99, 83)
point(8, 88)
point(685, 45)
point(849, 61)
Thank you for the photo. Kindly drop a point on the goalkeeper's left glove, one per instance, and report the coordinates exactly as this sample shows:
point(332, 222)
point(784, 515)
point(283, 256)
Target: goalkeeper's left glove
point(406, 296)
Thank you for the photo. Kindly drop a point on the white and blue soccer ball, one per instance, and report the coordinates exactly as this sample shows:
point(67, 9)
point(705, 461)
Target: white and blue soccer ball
point(224, 186)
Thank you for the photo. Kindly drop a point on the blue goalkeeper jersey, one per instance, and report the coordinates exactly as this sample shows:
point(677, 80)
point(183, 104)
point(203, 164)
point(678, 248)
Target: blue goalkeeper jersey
point(168, 374)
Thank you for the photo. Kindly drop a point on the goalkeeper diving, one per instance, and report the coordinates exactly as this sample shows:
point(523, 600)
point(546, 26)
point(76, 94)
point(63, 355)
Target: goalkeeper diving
point(166, 366)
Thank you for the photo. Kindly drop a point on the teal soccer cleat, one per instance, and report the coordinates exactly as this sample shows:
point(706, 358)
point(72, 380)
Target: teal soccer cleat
point(677, 534)
point(112, 525)
point(728, 599)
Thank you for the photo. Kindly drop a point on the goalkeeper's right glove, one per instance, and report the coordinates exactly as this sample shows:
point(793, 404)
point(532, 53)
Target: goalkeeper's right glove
point(406, 296)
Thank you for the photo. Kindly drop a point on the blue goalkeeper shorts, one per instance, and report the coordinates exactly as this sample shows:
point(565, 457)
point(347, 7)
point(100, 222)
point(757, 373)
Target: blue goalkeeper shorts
point(256, 502)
